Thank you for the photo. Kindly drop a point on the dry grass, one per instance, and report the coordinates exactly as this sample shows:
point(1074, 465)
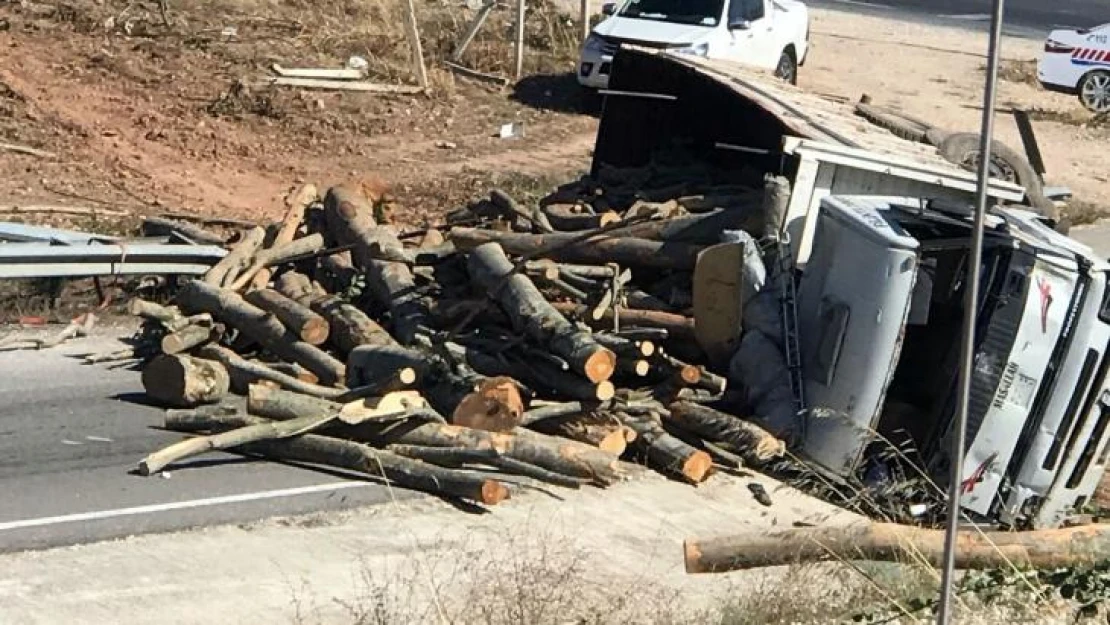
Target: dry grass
point(1022, 72)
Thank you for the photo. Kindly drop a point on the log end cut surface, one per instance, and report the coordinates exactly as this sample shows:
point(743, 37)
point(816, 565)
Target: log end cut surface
point(494, 492)
point(697, 466)
point(600, 365)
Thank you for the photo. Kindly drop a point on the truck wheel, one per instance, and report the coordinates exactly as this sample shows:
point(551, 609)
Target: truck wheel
point(1094, 91)
point(787, 68)
point(962, 148)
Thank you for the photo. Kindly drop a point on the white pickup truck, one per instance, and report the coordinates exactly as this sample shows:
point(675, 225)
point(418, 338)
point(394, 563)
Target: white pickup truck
point(768, 34)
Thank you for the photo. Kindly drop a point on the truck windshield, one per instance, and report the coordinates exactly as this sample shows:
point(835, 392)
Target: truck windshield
point(700, 12)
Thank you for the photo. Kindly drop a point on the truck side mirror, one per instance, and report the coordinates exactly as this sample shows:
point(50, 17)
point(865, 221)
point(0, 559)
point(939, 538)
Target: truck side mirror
point(609, 8)
point(739, 24)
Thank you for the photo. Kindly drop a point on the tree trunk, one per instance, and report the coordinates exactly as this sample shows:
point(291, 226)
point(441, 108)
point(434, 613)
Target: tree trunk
point(511, 209)
point(891, 542)
point(542, 376)
point(677, 326)
point(139, 307)
point(183, 381)
point(224, 272)
point(188, 337)
point(307, 325)
point(532, 314)
point(190, 447)
point(570, 217)
point(448, 457)
point(285, 405)
point(297, 204)
point(597, 250)
point(350, 220)
point(667, 453)
point(754, 444)
point(704, 229)
point(249, 372)
point(350, 327)
point(276, 255)
point(316, 449)
point(598, 429)
point(389, 367)
point(230, 308)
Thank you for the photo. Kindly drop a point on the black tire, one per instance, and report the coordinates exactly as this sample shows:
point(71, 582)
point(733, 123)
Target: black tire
point(787, 67)
point(903, 127)
point(962, 148)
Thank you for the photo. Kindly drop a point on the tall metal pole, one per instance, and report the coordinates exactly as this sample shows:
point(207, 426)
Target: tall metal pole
point(971, 305)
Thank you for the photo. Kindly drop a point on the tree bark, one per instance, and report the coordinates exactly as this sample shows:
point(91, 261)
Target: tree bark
point(496, 406)
point(448, 457)
point(316, 449)
point(704, 229)
point(350, 327)
point(188, 337)
point(541, 376)
point(389, 367)
point(512, 209)
point(593, 428)
point(230, 308)
point(302, 321)
point(667, 453)
point(677, 326)
point(249, 372)
point(532, 314)
point(297, 204)
point(1047, 549)
point(597, 250)
point(277, 254)
point(224, 272)
point(183, 381)
point(350, 220)
point(754, 444)
point(139, 307)
point(566, 218)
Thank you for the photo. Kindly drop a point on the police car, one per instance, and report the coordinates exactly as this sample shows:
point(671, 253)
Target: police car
point(1078, 62)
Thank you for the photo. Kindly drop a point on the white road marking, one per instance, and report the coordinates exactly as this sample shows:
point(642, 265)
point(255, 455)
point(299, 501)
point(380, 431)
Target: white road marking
point(98, 439)
point(179, 505)
point(66, 441)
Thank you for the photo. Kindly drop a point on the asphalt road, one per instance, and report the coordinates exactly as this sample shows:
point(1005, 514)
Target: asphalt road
point(70, 434)
point(1036, 15)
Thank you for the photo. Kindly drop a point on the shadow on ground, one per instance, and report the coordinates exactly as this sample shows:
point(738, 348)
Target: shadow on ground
point(557, 92)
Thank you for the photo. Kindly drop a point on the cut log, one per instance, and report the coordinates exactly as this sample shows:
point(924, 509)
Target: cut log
point(189, 337)
point(512, 209)
point(677, 326)
point(180, 323)
point(541, 375)
point(666, 452)
point(316, 449)
point(448, 457)
point(975, 549)
point(597, 429)
point(284, 405)
point(302, 321)
point(532, 314)
point(754, 444)
point(139, 307)
point(702, 229)
point(155, 462)
point(229, 307)
point(160, 227)
point(224, 272)
point(340, 272)
point(350, 327)
point(276, 255)
point(293, 369)
point(296, 204)
point(388, 367)
point(350, 221)
point(496, 406)
point(567, 218)
point(182, 381)
point(432, 238)
point(565, 247)
point(249, 372)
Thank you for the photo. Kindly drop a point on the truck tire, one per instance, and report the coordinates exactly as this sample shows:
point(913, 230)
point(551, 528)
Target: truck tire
point(787, 67)
point(962, 148)
point(903, 127)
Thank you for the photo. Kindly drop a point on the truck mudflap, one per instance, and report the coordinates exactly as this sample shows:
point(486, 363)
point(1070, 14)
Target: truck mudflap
point(994, 432)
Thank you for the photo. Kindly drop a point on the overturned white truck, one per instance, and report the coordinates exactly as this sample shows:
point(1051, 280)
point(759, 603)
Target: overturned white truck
point(880, 228)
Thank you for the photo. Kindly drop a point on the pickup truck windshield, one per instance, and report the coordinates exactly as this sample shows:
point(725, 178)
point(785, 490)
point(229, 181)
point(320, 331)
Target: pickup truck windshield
point(700, 12)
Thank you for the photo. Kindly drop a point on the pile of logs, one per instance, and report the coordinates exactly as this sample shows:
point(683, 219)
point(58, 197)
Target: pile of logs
point(553, 343)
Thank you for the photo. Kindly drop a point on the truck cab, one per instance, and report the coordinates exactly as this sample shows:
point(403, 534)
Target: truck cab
point(881, 306)
point(768, 34)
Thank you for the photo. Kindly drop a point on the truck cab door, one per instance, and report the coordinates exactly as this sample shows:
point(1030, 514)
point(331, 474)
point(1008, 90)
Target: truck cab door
point(750, 26)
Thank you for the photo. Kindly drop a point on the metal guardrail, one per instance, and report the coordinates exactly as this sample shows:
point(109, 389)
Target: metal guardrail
point(90, 258)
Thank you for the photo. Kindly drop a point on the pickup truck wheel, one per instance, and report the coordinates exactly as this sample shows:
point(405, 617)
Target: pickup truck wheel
point(787, 68)
point(1094, 91)
point(962, 148)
